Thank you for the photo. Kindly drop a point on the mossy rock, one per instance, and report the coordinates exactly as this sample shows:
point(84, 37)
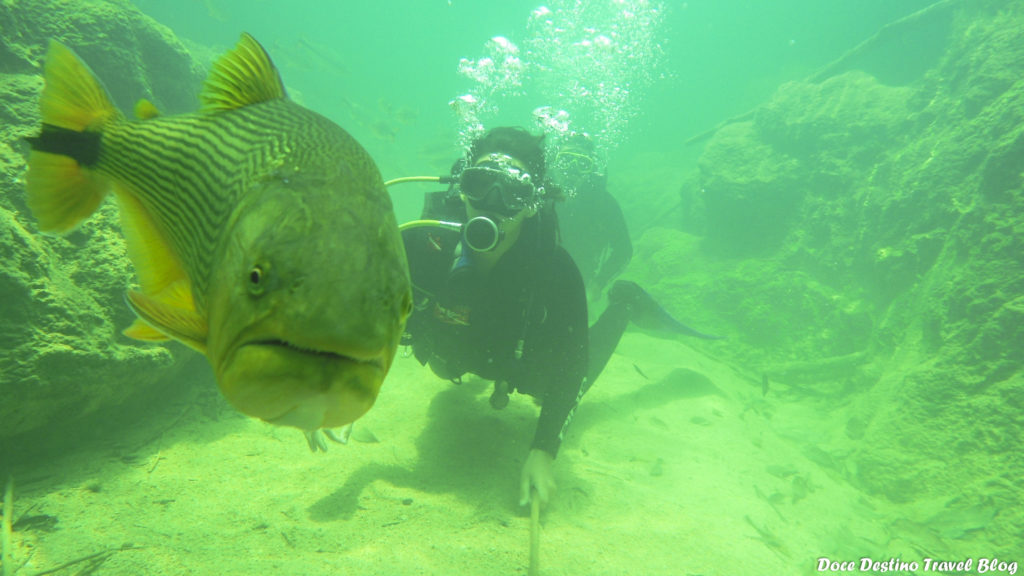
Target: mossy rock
point(63, 356)
point(132, 54)
point(864, 221)
point(852, 116)
point(751, 191)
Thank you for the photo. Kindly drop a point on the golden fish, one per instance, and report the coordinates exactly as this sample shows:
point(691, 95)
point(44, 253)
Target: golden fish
point(260, 231)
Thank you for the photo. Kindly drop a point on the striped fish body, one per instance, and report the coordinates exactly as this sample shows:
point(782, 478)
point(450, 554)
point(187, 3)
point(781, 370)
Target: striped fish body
point(191, 172)
point(260, 231)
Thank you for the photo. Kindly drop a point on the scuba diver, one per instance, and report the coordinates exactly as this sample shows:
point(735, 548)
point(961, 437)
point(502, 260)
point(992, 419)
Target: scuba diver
point(592, 226)
point(495, 295)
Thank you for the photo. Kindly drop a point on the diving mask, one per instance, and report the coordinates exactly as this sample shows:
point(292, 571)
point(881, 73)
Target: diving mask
point(574, 164)
point(497, 184)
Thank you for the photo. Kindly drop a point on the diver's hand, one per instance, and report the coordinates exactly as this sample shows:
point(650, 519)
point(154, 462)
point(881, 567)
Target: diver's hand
point(595, 291)
point(537, 473)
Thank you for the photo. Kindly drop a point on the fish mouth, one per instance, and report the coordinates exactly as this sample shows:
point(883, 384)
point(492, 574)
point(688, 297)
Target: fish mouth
point(301, 385)
point(373, 359)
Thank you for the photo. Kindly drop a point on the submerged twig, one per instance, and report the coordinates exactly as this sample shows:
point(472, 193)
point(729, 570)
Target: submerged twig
point(5, 539)
point(768, 538)
point(534, 533)
point(96, 559)
point(93, 556)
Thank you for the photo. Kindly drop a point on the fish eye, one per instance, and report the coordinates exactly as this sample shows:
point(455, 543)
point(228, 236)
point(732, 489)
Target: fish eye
point(256, 280)
point(407, 306)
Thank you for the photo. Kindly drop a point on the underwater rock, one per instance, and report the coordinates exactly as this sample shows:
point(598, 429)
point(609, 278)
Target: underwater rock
point(811, 142)
point(751, 191)
point(852, 116)
point(867, 220)
point(135, 56)
point(63, 356)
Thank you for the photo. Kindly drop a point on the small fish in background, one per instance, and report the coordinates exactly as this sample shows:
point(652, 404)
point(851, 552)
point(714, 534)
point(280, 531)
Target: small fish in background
point(640, 372)
point(657, 468)
point(400, 114)
point(389, 120)
point(214, 12)
point(305, 55)
point(261, 233)
point(364, 435)
point(325, 54)
point(764, 385)
point(211, 10)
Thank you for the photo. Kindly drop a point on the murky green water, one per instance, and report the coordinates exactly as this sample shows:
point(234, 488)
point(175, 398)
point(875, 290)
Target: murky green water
point(835, 187)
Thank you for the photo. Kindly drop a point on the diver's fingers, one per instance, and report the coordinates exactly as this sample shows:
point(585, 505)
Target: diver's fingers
point(524, 488)
point(541, 493)
point(316, 442)
point(343, 439)
point(545, 488)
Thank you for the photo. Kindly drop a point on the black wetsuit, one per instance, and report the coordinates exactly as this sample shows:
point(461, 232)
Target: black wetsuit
point(524, 322)
point(595, 234)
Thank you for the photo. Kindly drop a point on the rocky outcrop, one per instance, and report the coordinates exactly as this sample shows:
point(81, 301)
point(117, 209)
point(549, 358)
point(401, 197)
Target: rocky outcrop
point(62, 356)
point(864, 239)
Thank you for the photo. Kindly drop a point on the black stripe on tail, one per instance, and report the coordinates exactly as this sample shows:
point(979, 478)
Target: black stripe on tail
point(83, 147)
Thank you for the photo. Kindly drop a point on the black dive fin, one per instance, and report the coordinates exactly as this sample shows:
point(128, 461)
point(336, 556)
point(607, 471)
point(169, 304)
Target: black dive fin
point(645, 313)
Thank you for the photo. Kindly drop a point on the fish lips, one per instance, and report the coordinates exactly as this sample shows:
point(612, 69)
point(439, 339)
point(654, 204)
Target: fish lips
point(305, 387)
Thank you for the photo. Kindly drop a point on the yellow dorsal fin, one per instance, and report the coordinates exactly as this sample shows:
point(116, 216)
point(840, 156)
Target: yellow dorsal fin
point(144, 110)
point(243, 76)
point(179, 323)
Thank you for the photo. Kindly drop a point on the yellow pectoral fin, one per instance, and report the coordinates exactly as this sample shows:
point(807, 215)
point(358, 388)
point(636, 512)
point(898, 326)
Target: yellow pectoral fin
point(155, 263)
point(165, 307)
point(182, 324)
point(141, 330)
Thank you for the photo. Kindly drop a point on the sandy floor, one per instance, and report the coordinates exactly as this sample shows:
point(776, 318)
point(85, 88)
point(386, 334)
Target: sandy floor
point(678, 472)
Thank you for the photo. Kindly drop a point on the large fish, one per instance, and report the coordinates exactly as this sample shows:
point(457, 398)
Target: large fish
point(260, 231)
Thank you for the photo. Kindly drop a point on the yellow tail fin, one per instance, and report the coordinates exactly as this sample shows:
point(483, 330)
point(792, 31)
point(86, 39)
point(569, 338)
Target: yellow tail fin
point(62, 190)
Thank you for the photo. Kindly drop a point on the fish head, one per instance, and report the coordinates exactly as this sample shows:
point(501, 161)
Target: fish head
point(308, 300)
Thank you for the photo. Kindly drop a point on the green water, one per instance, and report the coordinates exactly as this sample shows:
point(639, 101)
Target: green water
point(834, 186)
point(387, 71)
